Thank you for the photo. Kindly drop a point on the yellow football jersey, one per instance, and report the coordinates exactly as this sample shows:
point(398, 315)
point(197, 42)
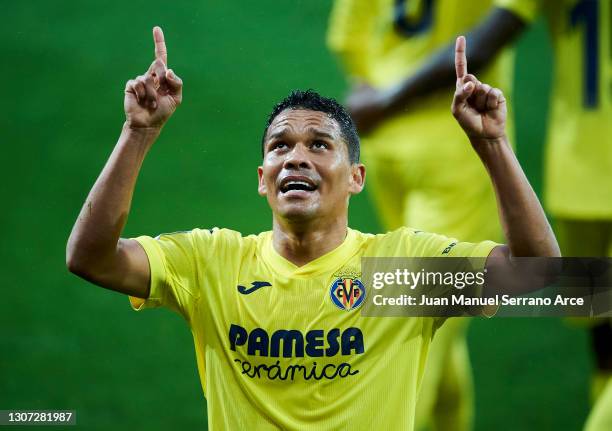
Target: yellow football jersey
point(579, 151)
point(382, 42)
point(600, 418)
point(276, 348)
point(578, 180)
point(423, 170)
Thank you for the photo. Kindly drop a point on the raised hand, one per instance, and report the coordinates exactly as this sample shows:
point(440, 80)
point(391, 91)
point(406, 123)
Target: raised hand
point(150, 99)
point(478, 108)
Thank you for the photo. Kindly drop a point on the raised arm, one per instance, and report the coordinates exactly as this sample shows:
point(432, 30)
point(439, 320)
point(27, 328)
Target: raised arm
point(481, 111)
point(95, 249)
point(368, 106)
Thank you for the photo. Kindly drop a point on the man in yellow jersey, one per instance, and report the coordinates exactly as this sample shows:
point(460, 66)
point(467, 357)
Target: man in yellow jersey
point(277, 343)
point(398, 54)
point(578, 181)
point(578, 178)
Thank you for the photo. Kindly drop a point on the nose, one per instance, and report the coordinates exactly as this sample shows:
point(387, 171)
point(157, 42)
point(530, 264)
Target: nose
point(297, 158)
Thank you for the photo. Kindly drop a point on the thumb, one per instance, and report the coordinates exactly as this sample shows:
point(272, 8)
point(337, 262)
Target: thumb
point(175, 84)
point(464, 91)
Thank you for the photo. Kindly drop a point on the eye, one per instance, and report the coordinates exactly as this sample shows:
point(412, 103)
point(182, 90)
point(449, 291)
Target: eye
point(278, 145)
point(318, 144)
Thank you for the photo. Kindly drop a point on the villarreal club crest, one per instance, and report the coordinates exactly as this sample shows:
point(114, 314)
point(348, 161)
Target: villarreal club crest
point(347, 291)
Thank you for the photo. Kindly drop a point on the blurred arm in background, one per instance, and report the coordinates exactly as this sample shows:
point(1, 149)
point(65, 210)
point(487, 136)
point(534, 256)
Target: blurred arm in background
point(369, 106)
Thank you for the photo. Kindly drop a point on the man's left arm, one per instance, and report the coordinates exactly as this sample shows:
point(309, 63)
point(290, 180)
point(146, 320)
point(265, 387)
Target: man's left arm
point(481, 111)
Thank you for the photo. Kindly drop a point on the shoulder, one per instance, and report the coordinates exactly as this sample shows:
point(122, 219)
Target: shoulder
point(228, 238)
point(405, 241)
point(203, 240)
point(410, 242)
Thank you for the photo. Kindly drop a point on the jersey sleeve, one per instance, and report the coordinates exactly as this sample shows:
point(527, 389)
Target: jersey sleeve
point(527, 10)
point(176, 262)
point(433, 245)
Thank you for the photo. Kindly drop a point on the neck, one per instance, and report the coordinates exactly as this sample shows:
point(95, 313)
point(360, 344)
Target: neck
point(301, 243)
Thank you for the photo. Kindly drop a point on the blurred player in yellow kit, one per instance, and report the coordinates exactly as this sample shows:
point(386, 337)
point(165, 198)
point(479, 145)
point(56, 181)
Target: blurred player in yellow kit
point(399, 56)
point(578, 182)
point(578, 188)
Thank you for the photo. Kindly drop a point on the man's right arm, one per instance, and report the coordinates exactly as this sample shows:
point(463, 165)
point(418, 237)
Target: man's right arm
point(95, 249)
point(369, 106)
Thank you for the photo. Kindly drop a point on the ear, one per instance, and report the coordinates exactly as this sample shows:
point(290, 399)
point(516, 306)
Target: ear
point(358, 174)
point(261, 189)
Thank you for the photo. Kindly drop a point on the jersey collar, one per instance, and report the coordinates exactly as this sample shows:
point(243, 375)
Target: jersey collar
point(326, 263)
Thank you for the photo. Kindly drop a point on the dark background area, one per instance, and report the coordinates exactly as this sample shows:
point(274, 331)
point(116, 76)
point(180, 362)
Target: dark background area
point(66, 344)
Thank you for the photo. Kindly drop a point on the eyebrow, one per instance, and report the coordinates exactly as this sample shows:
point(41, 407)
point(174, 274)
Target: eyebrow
point(318, 133)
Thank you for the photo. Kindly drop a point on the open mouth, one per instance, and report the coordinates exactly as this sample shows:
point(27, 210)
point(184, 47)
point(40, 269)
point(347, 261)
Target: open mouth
point(293, 183)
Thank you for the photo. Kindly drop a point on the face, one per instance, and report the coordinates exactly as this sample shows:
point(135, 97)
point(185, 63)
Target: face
point(306, 171)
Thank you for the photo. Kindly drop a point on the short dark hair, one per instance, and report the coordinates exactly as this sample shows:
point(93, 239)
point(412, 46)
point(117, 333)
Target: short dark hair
point(313, 101)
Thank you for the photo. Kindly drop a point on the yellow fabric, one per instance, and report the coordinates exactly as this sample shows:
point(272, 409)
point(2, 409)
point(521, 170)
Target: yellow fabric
point(579, 152)
point(433, 190)
point(599, 382)
point(365, 32)
point(437, 182)
point(526, 9)
point(600, 418)
point(197, 273)
point(447, 394)
point(422, 170)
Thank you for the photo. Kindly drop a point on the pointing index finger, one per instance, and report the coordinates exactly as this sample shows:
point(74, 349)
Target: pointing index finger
point(160, 44)
point(460, 57)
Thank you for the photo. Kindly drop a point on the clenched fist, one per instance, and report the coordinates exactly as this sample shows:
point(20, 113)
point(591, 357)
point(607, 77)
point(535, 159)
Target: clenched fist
point(150, 99)
point(478, 108)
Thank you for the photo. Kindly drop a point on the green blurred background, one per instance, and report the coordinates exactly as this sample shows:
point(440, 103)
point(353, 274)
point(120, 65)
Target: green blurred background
point(66, 344)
